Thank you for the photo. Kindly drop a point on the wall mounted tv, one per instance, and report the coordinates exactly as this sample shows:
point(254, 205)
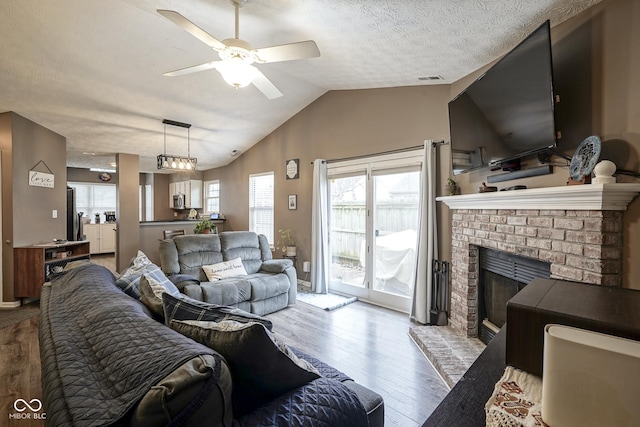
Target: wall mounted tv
point(508, 112)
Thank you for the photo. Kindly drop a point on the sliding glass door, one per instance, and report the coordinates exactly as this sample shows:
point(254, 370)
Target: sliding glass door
point(373, 234)
point(348, 230)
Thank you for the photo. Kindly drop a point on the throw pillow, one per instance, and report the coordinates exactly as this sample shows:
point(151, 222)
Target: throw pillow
point(152, 286)
point(182, 307)
point(129, 280)
point(221, 270)
point(262, 366)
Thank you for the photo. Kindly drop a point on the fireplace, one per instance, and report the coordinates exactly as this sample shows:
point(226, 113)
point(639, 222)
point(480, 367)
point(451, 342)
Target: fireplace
point(501, 276)
point(576, 230)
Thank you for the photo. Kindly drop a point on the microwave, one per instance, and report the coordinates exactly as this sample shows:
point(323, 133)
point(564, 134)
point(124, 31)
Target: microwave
point(178, 201)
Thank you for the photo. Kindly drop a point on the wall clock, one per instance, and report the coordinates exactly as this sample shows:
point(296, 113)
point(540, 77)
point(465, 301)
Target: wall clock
point(104, 176)
point(292, 168)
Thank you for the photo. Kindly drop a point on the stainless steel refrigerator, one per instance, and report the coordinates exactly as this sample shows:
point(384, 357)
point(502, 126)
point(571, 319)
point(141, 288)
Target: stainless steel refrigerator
point(74, 218)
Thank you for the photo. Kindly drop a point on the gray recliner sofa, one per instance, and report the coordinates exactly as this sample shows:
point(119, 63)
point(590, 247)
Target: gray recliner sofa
point(270, 284)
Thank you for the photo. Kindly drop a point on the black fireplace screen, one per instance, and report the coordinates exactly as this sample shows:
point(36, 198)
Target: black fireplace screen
point(502, 275)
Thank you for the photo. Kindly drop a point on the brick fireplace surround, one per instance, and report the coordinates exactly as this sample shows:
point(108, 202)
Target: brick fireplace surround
point(577, 229)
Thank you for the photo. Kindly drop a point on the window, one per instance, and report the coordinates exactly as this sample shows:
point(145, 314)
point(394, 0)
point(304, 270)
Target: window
point(261, 204)
point(212, 196)
point(94, 198)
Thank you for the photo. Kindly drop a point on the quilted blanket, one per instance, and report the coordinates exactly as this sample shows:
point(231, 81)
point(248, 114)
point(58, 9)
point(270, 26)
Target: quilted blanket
point(324, 402)
point(100, 351)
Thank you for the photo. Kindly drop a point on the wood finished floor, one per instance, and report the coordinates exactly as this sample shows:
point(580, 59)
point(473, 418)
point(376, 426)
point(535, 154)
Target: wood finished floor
point(19, 369)
point(368, 343)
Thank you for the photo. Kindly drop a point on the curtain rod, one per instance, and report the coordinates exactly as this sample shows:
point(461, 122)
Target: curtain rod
point(382, 153)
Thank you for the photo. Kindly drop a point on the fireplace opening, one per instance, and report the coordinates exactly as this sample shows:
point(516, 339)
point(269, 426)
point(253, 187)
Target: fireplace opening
point(501, 276)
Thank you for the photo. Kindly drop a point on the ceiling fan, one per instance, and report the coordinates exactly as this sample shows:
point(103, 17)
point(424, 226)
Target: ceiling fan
point(237, 56)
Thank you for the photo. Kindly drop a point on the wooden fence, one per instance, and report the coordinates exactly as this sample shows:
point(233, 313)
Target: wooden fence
point(348, 226)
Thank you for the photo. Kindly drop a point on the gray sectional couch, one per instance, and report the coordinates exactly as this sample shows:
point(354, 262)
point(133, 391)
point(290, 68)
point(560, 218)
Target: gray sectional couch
point(270, 284)
point(107, 360)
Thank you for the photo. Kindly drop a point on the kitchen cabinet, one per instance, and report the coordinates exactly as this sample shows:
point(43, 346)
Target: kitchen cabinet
point(34, 264)
point(192, 189)
point(101, 237)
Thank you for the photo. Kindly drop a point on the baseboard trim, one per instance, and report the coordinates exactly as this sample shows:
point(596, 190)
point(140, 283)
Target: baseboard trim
point(14, 304)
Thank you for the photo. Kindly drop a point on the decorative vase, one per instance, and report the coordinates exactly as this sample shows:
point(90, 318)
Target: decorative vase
point(291, 251)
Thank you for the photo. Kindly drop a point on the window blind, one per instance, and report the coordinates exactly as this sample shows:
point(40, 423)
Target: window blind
point(261, 193)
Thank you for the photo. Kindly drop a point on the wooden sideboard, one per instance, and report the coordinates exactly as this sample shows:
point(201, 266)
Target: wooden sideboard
point(33, 265)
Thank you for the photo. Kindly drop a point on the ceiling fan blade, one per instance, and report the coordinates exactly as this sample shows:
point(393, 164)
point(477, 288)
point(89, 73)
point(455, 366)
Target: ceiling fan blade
point(194, 69)
point(265, 86)
point(192, 29)
point(288, 52)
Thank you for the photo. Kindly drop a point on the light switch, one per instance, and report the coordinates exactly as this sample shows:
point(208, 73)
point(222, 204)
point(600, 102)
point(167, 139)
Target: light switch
point(54, 213)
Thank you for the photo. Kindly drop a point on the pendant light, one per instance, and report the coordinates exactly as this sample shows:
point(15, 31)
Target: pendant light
point(171, 161)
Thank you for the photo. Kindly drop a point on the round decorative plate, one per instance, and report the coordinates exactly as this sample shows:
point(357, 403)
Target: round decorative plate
point(585, 158)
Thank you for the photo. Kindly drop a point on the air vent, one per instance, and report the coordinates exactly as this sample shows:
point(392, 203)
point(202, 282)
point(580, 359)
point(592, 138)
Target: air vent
point(427, 78)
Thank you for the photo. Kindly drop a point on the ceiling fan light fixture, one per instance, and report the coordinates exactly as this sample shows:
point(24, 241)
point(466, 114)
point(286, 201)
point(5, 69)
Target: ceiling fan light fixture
point(237, 72)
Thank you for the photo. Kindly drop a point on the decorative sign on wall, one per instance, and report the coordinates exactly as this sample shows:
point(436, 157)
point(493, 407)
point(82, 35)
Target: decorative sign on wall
point(292, 169)
point(41, 179)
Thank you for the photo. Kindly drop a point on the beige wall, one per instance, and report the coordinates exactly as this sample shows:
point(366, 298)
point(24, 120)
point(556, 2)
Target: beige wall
point(337, 125)
point(86, 175)
point(127, 209)
point(27, 210)
point(598, 99)
point(614, 113)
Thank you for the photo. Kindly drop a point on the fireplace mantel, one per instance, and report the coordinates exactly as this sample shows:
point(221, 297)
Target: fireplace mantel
point(614, 197)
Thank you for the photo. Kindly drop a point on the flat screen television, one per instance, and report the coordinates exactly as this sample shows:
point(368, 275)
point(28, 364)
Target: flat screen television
point(508, 112)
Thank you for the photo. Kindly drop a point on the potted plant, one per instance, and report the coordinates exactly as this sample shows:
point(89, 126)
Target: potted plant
point(205, 226)
point(286, 243)
point(451, 187)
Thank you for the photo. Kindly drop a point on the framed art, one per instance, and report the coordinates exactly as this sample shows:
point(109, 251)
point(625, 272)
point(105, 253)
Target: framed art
point(292, 168)
point(293, 202)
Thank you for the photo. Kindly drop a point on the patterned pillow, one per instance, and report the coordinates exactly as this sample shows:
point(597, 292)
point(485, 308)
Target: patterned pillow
point(129, 280)
point(262, 366)
point(151, 289)
point(182, 307)
point(222, 270)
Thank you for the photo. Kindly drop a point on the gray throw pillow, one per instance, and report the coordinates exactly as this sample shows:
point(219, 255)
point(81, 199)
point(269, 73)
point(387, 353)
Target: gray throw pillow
point(129, 280)
point(262, 366)
point(182, 307)
point(152, 286)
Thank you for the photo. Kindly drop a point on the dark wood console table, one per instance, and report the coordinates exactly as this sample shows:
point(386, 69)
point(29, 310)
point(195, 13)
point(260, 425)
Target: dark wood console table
point(32, 265)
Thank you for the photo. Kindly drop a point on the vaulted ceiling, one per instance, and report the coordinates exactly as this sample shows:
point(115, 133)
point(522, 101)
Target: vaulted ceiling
point(92, 70)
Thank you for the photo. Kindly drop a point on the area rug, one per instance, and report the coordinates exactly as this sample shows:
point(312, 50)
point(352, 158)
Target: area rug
point(324, 301)
point(12, 316)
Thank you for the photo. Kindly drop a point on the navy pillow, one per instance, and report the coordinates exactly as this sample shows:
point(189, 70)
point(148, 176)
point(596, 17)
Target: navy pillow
point(262, 366)
point(182, 307)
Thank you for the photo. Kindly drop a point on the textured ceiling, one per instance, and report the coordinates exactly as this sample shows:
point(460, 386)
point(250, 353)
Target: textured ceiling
point(91, 70)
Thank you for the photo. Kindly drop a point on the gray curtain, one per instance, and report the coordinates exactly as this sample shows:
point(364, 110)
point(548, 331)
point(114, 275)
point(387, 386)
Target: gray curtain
point(427, 247)
point(320, 229)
